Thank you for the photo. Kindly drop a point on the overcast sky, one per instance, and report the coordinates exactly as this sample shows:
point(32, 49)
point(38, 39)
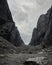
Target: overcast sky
point(26, 13)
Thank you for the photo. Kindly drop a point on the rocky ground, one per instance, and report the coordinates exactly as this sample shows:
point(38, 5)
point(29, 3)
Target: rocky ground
point(11, 55)
point(20, 58)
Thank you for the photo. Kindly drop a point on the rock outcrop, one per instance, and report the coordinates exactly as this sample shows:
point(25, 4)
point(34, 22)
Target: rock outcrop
point(8, 30)
point(44, 30)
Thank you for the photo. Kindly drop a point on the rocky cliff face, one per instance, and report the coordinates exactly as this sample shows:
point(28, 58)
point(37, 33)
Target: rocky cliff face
point(34, 37)
point(8, 29)
point(44, 29)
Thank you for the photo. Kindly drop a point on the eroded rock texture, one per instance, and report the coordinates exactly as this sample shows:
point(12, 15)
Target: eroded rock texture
point(44, 30)
point(8, 29)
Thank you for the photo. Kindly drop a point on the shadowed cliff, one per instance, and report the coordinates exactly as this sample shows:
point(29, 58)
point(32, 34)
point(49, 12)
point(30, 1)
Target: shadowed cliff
point(43, 33)
point(8, 30)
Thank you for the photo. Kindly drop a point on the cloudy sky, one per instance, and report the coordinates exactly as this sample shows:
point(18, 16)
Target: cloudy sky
point(26, 13)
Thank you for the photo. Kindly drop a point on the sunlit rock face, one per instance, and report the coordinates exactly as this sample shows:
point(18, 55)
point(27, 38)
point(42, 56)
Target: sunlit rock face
point(44, 30)
point(8, 29)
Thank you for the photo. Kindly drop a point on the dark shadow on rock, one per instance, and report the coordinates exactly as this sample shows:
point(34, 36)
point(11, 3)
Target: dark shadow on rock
point(43, 33)
point(8, 30)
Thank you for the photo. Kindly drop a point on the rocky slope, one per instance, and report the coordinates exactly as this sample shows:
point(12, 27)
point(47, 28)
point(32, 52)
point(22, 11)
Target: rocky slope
point(44, 57)
point(6, 47)
point(43, 32)
point(8, 30)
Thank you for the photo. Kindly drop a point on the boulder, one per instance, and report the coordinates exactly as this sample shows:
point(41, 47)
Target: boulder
point(36, 61)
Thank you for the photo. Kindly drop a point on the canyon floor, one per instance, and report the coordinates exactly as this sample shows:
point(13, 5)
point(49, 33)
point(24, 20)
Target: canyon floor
point(20, 58)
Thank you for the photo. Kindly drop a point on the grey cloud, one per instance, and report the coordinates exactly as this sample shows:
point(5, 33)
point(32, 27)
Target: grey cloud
point(26, 38)
point(21, 16)
point(26, 14)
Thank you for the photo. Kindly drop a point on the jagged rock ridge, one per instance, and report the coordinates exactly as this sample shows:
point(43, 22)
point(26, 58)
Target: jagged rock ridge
point(8, 30)
point(43, 32)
